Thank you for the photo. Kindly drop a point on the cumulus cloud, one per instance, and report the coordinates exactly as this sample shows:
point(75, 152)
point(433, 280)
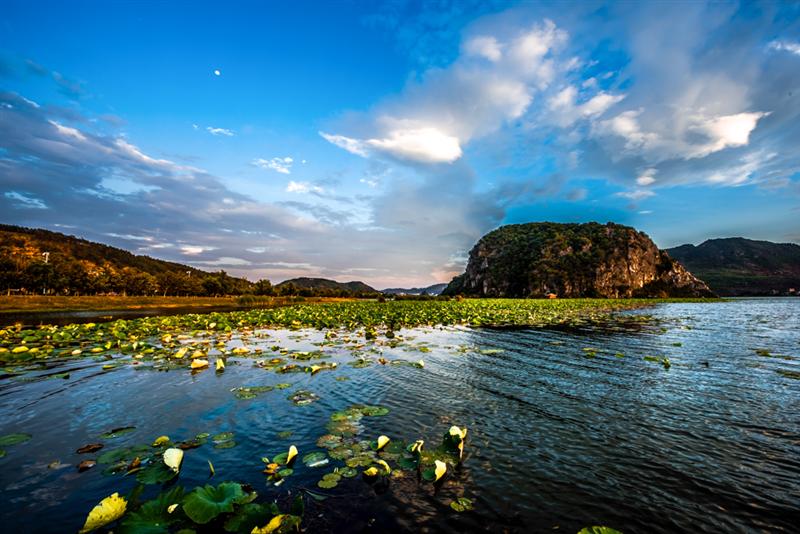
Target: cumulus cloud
point(493, 81)
point(281, 165)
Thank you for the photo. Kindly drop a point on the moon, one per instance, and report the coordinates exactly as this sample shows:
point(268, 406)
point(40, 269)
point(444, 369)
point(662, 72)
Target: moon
point(217, 72)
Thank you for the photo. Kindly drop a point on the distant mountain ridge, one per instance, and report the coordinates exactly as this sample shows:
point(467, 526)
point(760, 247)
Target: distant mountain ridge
point(38, 260)
point(573, 260)
point(435, 289)
point(736, 266)
point(324, 283)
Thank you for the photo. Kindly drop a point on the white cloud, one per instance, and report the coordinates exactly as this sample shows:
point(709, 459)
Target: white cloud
point(303, 187)
point(219, 131)
point(436, 115)
point(786, 46)
point(25, 201)
point(194, 250)
point(281, 165)
point(689, 136)
point(647, 177)
point(565, 110)
point(354, 146)
point(484, 46)
point(426, 145)
point(740, 172)
point(68, 131)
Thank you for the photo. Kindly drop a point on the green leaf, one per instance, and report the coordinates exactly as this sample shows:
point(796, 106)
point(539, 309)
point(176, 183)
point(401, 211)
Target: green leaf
point(153, 517)
point(462, 504)
point(14, 439)
point(314, 458)
point(155, 473)
point(249, 516)
point(598, 530)
point(204, 504)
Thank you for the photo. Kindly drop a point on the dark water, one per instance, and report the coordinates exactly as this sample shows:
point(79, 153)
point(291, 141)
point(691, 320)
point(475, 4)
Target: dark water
point(557, 440)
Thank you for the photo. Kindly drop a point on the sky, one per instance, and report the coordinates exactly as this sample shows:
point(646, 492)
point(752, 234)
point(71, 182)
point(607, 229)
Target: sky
point(378, 141)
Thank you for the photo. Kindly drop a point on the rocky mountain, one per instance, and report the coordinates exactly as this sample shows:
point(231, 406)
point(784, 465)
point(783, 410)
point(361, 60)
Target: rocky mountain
point(573, 260)
point(737, 266)
point(435, 289)
point(323, 283)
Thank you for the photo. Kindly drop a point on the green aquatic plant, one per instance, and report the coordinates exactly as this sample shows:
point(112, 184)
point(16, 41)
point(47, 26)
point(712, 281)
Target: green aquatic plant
point(207, 502)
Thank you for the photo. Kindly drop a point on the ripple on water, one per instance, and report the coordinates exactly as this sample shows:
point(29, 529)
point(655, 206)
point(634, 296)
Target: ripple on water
point(559, 436)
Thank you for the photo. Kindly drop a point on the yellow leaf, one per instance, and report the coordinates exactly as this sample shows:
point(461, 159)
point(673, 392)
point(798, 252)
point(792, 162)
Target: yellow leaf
point(161, 440)
point(417, 446)
point(19, 349)
point(371, 472)
point(273, 525)
point(382, 441)
point(421, 364)
point(385, 466)
point(210, 468)
point(440, 470)
point(291, 455)
point(199, 364)
point(198, 354)
point(173, 458)
point(171, 508)
point(220, 363)
point(458, 433)
point(241, 350)
point(76, 352)
point(110, 509)
point(181, 352)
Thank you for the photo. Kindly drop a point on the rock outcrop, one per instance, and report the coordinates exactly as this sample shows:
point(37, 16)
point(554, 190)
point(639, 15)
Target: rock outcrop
point(573, 260)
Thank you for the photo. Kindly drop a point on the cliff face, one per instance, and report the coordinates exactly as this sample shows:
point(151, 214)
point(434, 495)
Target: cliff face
point(573, 260)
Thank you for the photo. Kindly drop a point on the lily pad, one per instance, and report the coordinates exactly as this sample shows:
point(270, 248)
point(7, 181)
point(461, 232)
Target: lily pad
point(250, 516)
point(245, 393)
point(14, 439)
point(315, 458)
point(155, 473)
point(374, 411)
point(153, 517)
point(303, 397)
point(115, 433)
point(462, 504)
point(207, 502)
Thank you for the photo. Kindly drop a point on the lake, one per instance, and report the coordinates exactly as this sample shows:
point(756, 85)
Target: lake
point(687, 423)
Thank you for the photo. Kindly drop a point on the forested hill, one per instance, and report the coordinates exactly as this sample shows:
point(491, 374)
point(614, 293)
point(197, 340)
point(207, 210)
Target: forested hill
point(78, 266)
point(331, 287)
point(738, 266)
point(572, 260)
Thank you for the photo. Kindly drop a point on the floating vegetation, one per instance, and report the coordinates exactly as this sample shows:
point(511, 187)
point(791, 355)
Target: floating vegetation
point(117, 432)
point(245, 393)
point(303, 397)
point(162, 339)
point(462, 504)
point(795, 375)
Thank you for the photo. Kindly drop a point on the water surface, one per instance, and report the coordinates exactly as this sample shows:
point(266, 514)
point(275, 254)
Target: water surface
point(560, 437)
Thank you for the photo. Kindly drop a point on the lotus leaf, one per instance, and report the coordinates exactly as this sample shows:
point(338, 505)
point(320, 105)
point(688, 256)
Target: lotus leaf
point(207, 502)
point(107, 511)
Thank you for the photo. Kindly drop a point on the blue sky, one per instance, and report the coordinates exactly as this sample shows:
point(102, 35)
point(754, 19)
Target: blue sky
point(379, 141)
